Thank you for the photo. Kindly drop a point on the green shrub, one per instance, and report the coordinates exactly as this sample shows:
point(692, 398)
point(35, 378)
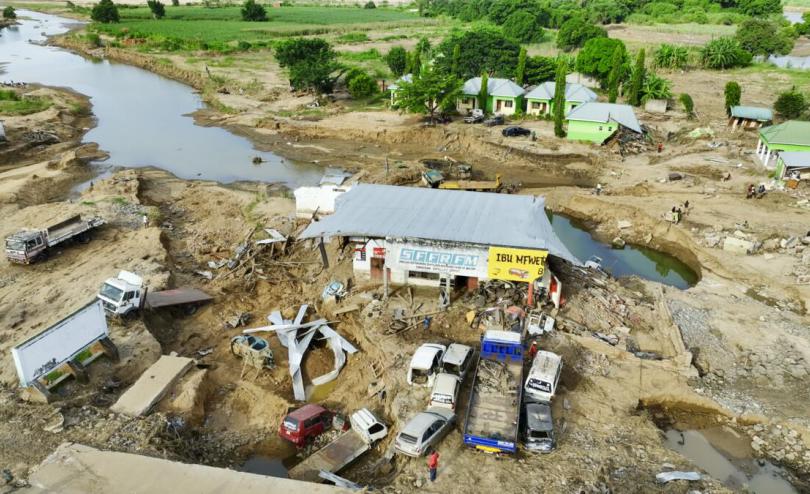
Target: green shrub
point(688, 105)
point(104, 12)
point(733, 94)
point(362, 85)
point(243, 45)
point(9, 13)
point(157, 8)
point(93, 39)
point(353, 38)
point(671, 56)
point(253, 12)
point(763, 37)
point(790, 104)
point(576, 32)
point(370, 5)
point(522, 27)
point(724, 53)
point(397, 60)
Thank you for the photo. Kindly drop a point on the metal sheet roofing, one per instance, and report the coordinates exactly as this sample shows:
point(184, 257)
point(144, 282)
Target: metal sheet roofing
point(405, 78)
point(573, 92)
point(795, 159)
point(605, 112)
point(495, 87)
point(483, 218)
point(752, 113)
point(790, 132)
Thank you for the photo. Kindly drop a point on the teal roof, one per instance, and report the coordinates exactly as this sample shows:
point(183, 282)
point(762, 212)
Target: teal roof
point(792, 133)
point(605, 112)
point(752, 113)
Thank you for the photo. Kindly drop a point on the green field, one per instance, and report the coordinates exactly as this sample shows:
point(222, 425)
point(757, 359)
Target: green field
point(12, 104)
point(323, 16)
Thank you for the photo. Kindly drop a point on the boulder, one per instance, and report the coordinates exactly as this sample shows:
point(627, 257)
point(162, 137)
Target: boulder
point(738, 245)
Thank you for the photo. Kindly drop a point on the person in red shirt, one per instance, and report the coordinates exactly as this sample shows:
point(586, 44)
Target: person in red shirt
point(533, 350)
point(433, 464)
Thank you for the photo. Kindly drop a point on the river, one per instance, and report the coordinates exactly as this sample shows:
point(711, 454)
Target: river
point(143, 119)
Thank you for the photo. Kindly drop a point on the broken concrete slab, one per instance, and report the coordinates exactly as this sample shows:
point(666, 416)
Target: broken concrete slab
point(738, 245)
point(623, 224)
point(153, 384)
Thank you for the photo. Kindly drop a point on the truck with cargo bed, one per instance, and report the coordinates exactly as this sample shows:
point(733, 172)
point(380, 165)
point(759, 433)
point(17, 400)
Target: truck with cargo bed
point(493, 412)
point(28, 246)
point(126, 294)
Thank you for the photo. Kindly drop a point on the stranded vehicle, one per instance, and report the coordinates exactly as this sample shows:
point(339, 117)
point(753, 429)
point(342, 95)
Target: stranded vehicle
point(538, 432)
point(457, 360)
point(425, 364)
point(28, 246)
point(366, 429)
point(126, 294)
point(445, 391)
point(301, 426)
point(424, 431)
point(544, 375)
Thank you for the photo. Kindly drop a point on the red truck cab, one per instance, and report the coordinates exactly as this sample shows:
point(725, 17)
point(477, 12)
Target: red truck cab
point(302, 425)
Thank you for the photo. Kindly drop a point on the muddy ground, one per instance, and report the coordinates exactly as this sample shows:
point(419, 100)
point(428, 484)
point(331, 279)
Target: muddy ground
point(735, 349)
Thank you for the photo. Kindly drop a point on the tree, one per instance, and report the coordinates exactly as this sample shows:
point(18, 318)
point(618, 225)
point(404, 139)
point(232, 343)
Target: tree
point(311, 62)
point(688, 105)
point(616, 74)
point(762, 37)
point(559, 100)
point(157, 8)
point(423, 47)
point(758, 8)
point(596, 57)
point(484, 49)
point(522, 27)
point(361, 85)
point(414, 62)
point(105, 12)
point(733, 93)
point(790, 104)
point(724, 53)
point(253, 12)
point(575, 32)
point(500, 10)
point(454, 64)
point(655, 87)
point(370, 5)
point(540, 69)
point(9, 13)
point(430, 92)
point(520, 71)
point(482, 93)
point(397, 60)
point(637, 80)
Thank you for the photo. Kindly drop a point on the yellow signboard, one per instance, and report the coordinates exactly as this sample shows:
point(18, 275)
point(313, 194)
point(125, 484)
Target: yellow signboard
point(509, 264)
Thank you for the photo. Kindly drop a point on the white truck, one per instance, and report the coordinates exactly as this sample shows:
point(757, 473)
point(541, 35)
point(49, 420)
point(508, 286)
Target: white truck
point(366, 429)
point(126, 294)
point(29, 246)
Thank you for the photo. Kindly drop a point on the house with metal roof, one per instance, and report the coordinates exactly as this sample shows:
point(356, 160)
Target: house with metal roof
point(437, 237)
point(792, 164)
point(749, 117)
point(395, 86)
point(540, 100)
point(787, 136)
point(503, 96)
point(596, 122)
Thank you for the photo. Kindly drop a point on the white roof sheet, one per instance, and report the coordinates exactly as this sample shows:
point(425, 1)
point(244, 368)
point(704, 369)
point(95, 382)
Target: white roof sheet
point(483, 218)
point(605, 112)
point(573, 92)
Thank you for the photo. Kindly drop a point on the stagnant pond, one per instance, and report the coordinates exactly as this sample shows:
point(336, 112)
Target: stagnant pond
point(143, 118)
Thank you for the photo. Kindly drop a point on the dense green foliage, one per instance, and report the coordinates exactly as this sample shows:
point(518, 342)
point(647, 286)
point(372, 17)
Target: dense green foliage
point(576, 31)
point(596, 57)
point(616, 74)
point(539, 69)
point(637, 78)
point(397, 60)
point(482, 93)
point(559, 99)
point(523, 27)
point(724, 53)
point(671, 57)
point(9, 13)
point(480, 50)
point(253, 12)
point(763, 37)
point(688, 105)
point(370, 5)
point(760, 7)
point(520, 71)
point(733, 94)
point(311, 62)
point(158, 9)
point(105, 12)
point(655, 87)
point(361, 85)
point(432, 91)
point(790, 104)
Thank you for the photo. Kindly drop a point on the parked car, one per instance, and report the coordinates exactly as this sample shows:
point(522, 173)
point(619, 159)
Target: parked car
point(445, 391)
point(493, 121)
point(457, 360)
point(538, 427)
point(425, 364)
point(476, 116)
point(544, 375)
point(515, 131)
point(424, 430)
point(305, 424)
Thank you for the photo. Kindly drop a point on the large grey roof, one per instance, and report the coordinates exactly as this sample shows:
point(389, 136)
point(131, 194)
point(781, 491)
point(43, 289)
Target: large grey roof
point(573, 92)
point(605, 112)
point(484, 218)
point(796, 159)
point(495, 87)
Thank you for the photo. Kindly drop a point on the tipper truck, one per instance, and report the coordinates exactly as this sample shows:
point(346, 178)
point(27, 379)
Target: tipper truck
point(28, 246)
point(493, 412)
point(126, 294)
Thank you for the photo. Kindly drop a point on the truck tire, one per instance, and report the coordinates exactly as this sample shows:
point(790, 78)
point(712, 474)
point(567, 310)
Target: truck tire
point(83, 238)
point(41, 257)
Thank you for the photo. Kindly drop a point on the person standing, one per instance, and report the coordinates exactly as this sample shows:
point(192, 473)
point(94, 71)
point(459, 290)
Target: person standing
point(533, 350)
point(145, 220)
point(433, 464)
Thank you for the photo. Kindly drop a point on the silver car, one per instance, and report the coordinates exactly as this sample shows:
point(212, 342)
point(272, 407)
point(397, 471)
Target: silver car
point(424, 431)
point(538, 430)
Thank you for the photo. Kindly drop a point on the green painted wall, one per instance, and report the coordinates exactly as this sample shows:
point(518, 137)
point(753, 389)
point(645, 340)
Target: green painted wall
point(579, 130)
point(786, 147)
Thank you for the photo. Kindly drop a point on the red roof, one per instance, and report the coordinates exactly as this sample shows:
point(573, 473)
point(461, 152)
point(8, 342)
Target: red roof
point(307, 411)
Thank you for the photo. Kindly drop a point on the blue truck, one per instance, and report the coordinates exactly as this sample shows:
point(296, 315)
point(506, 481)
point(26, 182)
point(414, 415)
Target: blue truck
point(493, 412)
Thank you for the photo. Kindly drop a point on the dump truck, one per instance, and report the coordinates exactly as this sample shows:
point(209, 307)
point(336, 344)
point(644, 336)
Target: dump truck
point(29, 246)
point(493, 412)
point(479, 185)
point(366, 429)
point(126, 294)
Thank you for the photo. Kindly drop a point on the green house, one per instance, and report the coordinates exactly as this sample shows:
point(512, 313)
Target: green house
point(792, 164)
point(788, 136)
point(503, 96)
point(540, 100)
point(596, 122)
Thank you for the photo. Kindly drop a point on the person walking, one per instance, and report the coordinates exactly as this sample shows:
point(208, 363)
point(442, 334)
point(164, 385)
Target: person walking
point(433, 464)
point(426, 322)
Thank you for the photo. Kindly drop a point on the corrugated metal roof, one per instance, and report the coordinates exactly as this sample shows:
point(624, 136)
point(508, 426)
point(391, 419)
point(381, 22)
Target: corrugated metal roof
point(605, 112)
point(790, 132)
point(484, 218)
point(752, 113)
point(405, 78)
point(795, 159)
point(495, 87)
point(573, 92)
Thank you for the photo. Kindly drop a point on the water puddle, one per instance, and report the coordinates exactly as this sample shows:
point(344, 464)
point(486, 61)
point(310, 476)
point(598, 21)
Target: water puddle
point(734, 466)
point(266, 465)
point(631, 260)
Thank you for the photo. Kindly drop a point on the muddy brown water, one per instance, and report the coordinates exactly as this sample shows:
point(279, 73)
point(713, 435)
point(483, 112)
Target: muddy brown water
point(143, 119)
